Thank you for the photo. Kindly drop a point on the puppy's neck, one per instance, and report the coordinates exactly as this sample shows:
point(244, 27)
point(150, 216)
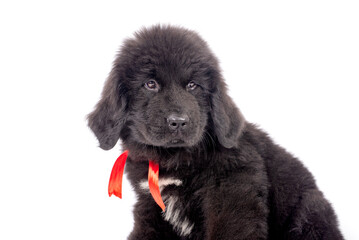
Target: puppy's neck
point(170, 158)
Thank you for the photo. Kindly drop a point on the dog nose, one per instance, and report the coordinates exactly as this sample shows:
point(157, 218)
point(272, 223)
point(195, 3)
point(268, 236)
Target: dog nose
point(177, 122)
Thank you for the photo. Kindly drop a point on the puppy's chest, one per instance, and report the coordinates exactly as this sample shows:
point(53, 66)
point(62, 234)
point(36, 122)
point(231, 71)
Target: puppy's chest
point(177, 201)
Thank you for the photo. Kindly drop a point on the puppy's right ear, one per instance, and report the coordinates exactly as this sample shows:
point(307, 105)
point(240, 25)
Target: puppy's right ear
point(108, 118)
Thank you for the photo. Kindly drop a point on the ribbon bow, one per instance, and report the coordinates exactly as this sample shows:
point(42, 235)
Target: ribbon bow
point(115, 184)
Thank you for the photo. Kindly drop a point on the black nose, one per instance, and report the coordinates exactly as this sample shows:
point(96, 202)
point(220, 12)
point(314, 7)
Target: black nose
point(177, 122)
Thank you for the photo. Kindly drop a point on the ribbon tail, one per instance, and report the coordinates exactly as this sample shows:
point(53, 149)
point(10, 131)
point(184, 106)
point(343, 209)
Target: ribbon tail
point(115, 183)
point(153, 172)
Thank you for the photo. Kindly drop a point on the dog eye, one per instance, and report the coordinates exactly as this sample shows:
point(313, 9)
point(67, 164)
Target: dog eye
point(191, 86)
point(152, 85)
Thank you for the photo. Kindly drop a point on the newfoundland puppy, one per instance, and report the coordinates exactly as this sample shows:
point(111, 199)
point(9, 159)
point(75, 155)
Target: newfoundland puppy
point(220, 176)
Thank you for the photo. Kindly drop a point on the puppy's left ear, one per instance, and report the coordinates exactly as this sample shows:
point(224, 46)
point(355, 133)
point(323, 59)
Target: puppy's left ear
point(227, 119)
point(109, 116)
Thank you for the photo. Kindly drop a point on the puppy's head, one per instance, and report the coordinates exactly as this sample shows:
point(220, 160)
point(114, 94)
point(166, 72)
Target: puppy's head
point(165, 90)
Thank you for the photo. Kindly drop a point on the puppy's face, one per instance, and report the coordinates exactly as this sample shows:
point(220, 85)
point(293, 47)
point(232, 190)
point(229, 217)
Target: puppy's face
point(165, 90)
point(169, 100)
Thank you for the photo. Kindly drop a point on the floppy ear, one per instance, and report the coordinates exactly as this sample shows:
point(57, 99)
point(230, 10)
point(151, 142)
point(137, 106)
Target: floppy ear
point(228, 120)
point(108, 118)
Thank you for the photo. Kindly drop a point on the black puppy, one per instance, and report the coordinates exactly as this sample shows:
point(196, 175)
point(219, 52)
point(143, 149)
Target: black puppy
point(220, 176)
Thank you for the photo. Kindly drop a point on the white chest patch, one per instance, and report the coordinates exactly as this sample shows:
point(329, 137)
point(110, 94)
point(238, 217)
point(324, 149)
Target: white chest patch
point(173, 213)
point(162, 183)
point(180, 223)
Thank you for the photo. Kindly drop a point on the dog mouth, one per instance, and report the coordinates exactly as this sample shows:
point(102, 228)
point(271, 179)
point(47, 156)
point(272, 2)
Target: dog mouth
point(160, 137)
point(158, 140)
point(176, 143)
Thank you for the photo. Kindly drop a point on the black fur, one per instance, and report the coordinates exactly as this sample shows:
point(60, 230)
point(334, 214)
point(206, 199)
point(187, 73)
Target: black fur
point(236, 183)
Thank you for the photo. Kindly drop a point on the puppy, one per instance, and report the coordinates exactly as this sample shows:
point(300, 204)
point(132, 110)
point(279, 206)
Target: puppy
point(220, 176)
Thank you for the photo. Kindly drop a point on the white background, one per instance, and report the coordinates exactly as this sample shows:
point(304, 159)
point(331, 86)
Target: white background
point(291, 67)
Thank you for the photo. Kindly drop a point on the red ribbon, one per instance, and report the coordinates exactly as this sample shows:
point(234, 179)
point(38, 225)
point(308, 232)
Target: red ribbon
point(153, 170)
point(115, 184)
